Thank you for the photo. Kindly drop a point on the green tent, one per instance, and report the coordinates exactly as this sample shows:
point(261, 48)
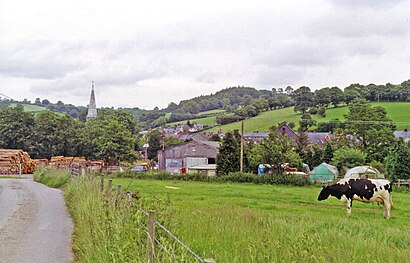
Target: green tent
point(324, 173)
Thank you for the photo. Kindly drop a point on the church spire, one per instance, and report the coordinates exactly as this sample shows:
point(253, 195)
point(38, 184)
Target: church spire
point(92, 107)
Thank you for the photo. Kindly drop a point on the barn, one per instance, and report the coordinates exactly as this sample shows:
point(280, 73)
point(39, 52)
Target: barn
point(179, 158)
point(324, 173)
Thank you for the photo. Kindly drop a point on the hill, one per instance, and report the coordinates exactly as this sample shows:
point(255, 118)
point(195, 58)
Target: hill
point(399, 112)
point(29, 107)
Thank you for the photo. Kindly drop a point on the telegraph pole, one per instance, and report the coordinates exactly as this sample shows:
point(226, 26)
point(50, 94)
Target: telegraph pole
point(242, 147)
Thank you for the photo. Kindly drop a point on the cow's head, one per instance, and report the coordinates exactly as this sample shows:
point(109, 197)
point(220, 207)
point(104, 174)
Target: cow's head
point(324, 194)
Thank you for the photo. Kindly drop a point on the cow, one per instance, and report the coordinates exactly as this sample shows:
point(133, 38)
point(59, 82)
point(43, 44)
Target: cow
point(364, 190)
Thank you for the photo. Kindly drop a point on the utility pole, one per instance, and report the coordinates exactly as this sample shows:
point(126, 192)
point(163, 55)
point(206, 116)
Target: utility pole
point(241, 147)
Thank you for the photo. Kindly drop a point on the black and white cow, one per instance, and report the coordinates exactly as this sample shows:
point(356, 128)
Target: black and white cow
point(364, 190)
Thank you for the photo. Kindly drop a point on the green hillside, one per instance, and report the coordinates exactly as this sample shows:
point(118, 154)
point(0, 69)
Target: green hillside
point(29, 107)
point(399, 112)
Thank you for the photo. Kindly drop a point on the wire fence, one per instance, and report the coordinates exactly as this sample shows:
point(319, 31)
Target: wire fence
point(158, 236)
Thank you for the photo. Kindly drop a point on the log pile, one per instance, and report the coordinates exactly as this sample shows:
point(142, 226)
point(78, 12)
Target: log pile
point(11, 161)
point(95, 165)
point(38, 162)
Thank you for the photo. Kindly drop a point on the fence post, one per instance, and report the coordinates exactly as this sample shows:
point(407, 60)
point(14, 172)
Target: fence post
point(119, 190)
point(20, 169)
point(109, 186)
point(102, 183)
point(408, 181)
point(128, 198)
point(150, 239)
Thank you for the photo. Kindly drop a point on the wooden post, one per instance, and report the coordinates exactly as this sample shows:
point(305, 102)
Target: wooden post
point(209, 260)
point(102, 183)
point(128, 198)
point(109, 186)
point(398, 182)
point(119, 190)
point(151, 237)
point(408, 181)
point(20, 169)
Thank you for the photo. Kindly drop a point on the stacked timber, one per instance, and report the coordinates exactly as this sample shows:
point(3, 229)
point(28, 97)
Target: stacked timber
point(79, 162)
point(95, 165)
point(40, 162)
point(61, 162)
point(15, 161)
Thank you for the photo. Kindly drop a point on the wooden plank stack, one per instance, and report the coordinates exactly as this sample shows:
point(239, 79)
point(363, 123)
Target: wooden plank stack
point(38, 162)
point(11, 160)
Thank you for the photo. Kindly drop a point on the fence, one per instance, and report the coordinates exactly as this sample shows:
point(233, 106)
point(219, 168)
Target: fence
point(401, 182)
point(152, 223)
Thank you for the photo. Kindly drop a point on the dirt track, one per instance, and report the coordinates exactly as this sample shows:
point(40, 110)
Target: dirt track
point(34, 223)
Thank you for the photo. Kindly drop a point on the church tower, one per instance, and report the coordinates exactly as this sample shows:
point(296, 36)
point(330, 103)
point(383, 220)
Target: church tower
point(92, 107)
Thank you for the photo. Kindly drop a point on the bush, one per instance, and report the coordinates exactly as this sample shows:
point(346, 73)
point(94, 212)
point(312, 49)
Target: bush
point(237, 177)
point(223, 119)
point(348, 157)
point(50, 176)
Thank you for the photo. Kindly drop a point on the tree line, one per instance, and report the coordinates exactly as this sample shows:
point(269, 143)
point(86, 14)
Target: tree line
point(112, 136)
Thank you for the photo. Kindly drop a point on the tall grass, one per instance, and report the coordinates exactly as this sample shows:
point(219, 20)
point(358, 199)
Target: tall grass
point(51, 176)
point(107, 230)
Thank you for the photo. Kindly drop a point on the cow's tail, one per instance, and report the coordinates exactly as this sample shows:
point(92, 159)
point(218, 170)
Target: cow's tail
point(391, 201)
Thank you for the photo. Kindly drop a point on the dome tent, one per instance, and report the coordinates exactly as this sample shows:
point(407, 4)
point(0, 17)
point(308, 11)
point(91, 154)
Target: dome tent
point(367, 172)
point(324, 173)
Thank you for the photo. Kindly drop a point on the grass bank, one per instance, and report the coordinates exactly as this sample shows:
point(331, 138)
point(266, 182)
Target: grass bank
point(51, 177)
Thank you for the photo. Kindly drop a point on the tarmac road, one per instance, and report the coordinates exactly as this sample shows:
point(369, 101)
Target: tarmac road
point(34, 223)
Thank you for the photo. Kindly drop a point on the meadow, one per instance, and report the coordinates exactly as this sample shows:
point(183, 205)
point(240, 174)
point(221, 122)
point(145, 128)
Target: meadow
point(399, 112)
point(240, 222)
point(29, 107)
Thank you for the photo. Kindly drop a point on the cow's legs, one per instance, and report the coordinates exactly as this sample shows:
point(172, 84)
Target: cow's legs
point(386, 209)
point(349, 207)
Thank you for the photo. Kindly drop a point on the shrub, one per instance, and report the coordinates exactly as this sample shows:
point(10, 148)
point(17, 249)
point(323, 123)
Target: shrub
point(51, 176)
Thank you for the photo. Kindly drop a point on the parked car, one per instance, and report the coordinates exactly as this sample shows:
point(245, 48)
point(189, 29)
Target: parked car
point(139, 169)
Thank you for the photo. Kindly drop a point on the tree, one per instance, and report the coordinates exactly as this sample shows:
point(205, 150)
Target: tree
point(228, 158)
point(306, 121)
point(303, 99)
point(275, 150)
point(398, 161)
point(328, 153)
point(336, 96)
point(155, 144)
point(16, 127)
point(345, 157)
point(371, 127)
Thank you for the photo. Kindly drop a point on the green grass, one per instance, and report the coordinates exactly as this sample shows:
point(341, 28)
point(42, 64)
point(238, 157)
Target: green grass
point(51, 176)
point(107, 230)
point(208, 121)
point(30, 108)
point(399, 112)
point(234, 222)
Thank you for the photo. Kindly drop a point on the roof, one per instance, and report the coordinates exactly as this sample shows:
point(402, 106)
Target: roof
point(319, 137)
point(330, 168)
point(357, 171)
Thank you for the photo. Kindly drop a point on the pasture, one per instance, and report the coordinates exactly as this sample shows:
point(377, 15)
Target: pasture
point(234, 222)
point(29, 107)
point(399, 112)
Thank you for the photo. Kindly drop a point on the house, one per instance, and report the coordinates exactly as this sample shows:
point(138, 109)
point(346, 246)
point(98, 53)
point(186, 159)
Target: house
point(255, 137)
point(318, 138)
point(180, 158)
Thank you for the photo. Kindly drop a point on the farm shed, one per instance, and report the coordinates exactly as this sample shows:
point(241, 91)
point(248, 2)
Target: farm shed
point(324, 173)
point(365, 172)
point(179, 158)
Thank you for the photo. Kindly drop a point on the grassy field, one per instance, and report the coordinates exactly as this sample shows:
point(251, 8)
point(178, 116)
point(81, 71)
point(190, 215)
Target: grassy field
point(29, 108)
point(264, 223)
point(399, 112)
point(211, 112)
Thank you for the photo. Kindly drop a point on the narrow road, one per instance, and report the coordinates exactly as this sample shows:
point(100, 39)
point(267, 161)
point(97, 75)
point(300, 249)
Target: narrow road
point(34, 223)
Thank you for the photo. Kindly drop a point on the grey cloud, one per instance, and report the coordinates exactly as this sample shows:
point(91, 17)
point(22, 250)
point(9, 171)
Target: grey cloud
point(366, 3)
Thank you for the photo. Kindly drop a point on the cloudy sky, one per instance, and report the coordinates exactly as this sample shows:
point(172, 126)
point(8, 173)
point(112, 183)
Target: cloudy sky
point(149, 53)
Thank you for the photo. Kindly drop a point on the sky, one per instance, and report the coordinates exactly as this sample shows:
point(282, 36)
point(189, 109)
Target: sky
point(150, 53)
